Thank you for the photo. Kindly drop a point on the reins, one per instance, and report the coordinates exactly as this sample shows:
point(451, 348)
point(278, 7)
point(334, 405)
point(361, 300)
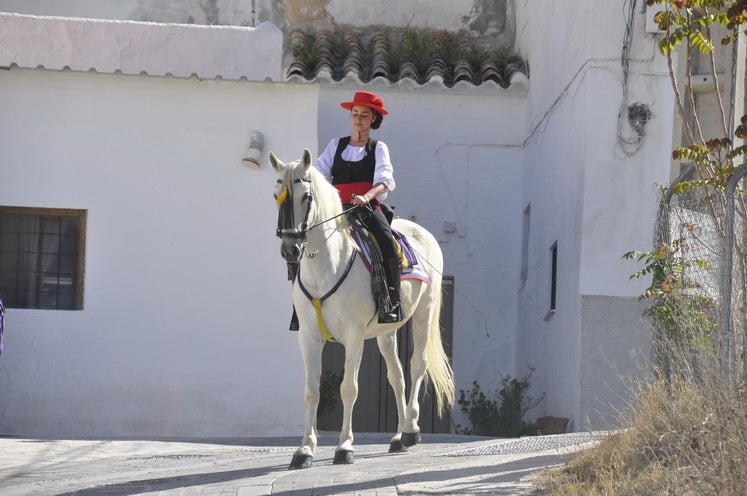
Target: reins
point(333, 217)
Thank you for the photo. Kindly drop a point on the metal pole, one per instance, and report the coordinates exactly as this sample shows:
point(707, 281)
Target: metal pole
point(726, 273)
point(738, 100)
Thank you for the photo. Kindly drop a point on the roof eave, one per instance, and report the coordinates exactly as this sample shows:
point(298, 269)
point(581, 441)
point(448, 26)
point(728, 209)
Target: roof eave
point(136, 48)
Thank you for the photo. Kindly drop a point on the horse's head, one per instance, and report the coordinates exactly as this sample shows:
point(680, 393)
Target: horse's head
point(294, 198)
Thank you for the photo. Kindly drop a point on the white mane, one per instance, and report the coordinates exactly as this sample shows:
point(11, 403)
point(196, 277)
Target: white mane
point(327, 201)
point(326, 197)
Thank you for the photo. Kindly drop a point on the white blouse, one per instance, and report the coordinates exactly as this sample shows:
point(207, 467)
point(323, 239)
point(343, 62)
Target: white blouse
point(383, 173)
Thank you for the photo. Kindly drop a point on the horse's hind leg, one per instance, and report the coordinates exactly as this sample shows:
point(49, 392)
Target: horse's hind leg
point(388, 348)
point(348, 394)
point(418, 363)
point(311, 351)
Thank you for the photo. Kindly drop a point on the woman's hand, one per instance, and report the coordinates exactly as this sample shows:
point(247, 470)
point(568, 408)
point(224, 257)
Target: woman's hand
point(359, 200)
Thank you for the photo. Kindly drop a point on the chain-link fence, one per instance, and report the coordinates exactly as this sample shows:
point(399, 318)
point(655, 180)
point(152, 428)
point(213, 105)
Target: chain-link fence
point(701, 297)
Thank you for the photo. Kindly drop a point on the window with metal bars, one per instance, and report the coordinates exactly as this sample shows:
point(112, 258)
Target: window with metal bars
point(42, 251)
point(553, 276)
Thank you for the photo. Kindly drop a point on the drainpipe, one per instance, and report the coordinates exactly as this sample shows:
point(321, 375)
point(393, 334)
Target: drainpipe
point(254, 18)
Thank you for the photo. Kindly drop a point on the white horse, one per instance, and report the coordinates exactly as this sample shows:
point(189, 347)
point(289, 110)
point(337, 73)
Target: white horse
point(314, 235)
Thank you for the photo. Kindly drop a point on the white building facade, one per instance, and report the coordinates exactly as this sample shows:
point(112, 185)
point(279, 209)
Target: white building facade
point(186, 303)
point(185, 295)
point(591, 195)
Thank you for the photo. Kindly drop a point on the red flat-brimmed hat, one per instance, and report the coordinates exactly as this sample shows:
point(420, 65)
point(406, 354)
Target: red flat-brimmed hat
point(366, 99)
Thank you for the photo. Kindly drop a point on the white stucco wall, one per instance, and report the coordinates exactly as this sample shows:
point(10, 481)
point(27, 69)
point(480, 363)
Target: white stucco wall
point(480, 17)
point(186, 305)
point(128, 47)
point(616, 348)
point(552, 187)
point(584, 192)
point(96, 9)
point(621, 190)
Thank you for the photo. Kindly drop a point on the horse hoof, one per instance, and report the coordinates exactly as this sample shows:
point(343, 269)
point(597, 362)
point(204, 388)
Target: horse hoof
point(343, 457)
point(410, 439)
point(397, 447)
point(300, 461)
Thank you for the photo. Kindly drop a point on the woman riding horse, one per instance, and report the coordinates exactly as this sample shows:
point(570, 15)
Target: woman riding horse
point(360, 169)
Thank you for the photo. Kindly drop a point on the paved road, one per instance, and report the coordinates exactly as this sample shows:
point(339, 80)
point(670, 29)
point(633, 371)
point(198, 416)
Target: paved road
point(441, 464)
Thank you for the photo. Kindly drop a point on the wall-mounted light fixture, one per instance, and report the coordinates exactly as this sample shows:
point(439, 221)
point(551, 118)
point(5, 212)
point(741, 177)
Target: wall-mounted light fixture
point(256, 146)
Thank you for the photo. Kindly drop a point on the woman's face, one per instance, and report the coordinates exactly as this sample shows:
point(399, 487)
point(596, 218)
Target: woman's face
point(361, 118)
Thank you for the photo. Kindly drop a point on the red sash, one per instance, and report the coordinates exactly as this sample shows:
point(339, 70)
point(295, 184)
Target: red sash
point(349, 189)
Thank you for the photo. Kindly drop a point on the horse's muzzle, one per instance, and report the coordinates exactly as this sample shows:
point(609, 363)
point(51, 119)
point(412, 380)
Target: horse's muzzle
point(290, 250)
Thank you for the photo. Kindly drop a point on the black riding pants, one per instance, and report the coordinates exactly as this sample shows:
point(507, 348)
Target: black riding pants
point(375, 221)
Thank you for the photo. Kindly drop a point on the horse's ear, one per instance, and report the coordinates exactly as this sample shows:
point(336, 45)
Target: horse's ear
point(276, 163)
point(306, 159)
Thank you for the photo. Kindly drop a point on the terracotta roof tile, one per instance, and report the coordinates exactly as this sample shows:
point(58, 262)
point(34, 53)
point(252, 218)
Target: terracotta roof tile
point(430, 56)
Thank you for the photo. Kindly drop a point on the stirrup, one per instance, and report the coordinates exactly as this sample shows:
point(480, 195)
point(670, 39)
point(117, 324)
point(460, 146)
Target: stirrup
point(392, 316)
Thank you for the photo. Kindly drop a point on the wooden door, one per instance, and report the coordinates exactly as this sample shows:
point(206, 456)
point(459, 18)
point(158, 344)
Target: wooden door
point(375, 409)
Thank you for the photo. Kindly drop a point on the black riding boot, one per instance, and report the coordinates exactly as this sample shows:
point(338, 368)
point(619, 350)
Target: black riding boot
point(393, 271)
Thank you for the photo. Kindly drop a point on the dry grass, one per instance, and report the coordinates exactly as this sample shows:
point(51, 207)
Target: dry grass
point(686, 436)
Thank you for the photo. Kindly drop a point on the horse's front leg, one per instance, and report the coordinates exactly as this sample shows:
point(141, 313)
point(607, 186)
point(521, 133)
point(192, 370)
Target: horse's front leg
point(311, 351)
point(348, 394)
point(388, 348)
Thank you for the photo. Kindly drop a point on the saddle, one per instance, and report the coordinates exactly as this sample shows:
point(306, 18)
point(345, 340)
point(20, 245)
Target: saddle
point(412, 268)
point(371, 257)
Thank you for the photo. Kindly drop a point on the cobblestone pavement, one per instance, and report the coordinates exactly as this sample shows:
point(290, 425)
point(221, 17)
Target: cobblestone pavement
point(441, 464)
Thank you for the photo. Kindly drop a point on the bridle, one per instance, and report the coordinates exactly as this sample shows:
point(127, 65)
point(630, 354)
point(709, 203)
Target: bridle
point(286, 227)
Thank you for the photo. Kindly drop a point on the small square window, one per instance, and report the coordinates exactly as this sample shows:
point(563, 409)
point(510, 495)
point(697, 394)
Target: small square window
point(42, 251)
point(525, 244)
point(553, 276)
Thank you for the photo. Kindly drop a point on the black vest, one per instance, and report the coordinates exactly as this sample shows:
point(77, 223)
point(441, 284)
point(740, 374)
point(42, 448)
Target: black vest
point(344, 172)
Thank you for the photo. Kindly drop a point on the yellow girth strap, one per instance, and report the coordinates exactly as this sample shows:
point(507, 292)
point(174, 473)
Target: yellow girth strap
point(317, 302)
point(401, 255)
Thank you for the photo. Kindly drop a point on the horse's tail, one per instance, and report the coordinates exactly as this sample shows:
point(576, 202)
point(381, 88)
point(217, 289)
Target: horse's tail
point(438, 367)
